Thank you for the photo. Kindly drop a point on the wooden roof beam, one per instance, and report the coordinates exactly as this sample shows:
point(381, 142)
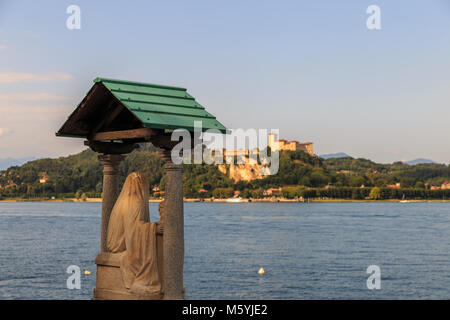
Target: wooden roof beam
point(144, 133)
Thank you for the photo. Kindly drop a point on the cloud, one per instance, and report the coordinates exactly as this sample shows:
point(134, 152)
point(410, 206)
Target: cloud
point(31, 97)
point(5, 131)
point(3, 48)
point(13, 77)
point(23, 115)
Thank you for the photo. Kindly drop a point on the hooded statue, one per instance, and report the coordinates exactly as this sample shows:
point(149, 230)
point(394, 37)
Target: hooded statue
point(131, 233)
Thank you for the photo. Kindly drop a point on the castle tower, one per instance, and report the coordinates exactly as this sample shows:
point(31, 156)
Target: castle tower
point(273, 142)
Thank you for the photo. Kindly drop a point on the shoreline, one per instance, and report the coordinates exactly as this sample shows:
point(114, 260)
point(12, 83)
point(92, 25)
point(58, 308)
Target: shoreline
point(278, 200)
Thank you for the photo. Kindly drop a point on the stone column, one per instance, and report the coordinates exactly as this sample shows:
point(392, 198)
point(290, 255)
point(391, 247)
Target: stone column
point(173, 247)
point(110, 191)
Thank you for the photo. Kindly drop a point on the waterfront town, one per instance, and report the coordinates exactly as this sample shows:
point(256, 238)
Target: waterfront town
point(303, 176)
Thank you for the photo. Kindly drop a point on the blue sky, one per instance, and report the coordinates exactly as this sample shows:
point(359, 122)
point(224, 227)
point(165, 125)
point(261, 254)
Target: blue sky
point(308, 68)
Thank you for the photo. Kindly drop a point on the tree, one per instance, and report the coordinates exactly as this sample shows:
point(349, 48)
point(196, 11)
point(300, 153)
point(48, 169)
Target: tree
point(99, 187)
point(78, 194)
point(419, 185)
point(318, 179)
point(356, 181)
point(222, 193)
point(375, 193)
point(358, 194)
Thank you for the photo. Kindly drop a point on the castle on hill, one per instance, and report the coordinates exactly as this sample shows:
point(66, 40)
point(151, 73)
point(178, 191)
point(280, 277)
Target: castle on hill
point(274, 144)
point(282, 144)
point(248, 170)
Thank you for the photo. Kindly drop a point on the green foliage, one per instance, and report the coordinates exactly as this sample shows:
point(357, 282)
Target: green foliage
point(293, 192)
point(296, 168)
point(223, 193)
point(300, 175)
point(375, 174)
point(203, 176)
point(375, 193)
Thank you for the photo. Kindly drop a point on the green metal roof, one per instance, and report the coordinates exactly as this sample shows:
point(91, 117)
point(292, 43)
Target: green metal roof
point(142, 105)
point(161, 107)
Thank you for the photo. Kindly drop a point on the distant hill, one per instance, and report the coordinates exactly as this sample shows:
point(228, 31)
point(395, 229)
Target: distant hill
point(307, 176)
point(5, 163)
point(334, 155)
point(418, 161)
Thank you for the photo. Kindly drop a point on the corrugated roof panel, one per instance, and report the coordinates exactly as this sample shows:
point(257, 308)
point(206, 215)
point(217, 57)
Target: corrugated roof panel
point(150, 91)
point(148, 98)
point(159, 108)
point(173, 121)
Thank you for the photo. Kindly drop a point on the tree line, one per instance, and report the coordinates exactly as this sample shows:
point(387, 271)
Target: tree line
point(299, 175)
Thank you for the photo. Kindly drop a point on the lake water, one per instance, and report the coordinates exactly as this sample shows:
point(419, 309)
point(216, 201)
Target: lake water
point(309, 251)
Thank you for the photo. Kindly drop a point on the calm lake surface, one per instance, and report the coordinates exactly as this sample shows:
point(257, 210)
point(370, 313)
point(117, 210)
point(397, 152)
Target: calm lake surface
point(309, 251)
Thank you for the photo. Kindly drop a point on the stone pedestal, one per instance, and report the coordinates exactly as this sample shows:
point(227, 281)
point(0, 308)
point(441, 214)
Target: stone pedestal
point(109, 284)
point(110, 192)
point(173, 250)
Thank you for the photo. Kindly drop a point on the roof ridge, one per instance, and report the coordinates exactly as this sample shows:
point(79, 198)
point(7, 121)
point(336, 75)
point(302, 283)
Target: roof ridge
point(143, 84)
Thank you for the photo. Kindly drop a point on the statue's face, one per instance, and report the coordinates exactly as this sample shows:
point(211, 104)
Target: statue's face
point(137, 184)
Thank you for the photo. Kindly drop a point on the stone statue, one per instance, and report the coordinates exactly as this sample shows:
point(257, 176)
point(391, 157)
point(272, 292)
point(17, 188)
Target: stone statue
point(131, 234)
